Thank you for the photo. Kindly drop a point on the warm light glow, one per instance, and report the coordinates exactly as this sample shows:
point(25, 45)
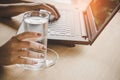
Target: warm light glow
point(81, 4)
point(103, 11)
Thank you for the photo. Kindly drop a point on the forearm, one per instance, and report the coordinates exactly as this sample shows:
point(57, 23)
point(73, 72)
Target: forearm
point(8, 10)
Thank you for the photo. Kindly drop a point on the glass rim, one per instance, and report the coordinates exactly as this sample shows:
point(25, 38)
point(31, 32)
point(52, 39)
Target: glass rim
point(39, 11)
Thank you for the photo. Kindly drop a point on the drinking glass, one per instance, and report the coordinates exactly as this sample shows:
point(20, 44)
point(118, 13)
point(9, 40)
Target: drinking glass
point(37, 21)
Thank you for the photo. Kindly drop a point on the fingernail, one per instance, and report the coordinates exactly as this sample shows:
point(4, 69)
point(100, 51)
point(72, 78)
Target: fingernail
point(38, 34)
point(35, 62)
point(44, 48)
point(56, 18)
point(42, 55)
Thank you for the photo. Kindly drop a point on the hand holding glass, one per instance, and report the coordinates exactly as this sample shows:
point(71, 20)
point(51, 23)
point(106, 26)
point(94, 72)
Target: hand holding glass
point(37, 21)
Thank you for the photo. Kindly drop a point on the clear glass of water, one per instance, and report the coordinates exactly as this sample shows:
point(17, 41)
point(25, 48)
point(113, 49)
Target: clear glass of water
point(37, 21)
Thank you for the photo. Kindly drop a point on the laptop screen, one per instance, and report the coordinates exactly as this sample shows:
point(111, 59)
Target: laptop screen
point(102, 10)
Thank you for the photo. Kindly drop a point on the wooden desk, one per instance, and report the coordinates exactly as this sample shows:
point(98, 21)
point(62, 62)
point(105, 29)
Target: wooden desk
point(101, 61)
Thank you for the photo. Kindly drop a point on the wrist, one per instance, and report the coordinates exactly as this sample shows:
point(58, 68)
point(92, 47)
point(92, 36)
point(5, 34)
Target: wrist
point(33, 6)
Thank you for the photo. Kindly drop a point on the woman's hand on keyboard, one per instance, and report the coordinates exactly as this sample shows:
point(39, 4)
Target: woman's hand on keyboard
point(13, 9)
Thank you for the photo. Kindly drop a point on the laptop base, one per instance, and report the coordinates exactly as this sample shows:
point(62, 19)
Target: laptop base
point(64, 43)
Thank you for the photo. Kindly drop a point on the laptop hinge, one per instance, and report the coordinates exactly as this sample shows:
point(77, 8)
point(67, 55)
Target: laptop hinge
point(88, 31)
point(83, 26)
point(90, 24)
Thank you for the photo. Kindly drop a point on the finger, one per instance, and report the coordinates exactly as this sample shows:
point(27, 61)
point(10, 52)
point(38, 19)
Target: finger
point(31, 45)
point(26, 35)
point(22, 60)
point(52, 6)
point(31, 54)
point(27, 1)
point(46, 7)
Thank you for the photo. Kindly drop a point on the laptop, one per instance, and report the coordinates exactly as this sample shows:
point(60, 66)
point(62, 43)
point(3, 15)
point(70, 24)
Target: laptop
point(82, 27)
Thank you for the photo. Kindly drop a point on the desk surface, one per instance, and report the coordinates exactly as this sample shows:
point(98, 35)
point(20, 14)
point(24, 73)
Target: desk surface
point(97, 62)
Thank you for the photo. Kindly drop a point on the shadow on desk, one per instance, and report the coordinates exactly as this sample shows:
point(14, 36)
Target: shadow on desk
point(1, 72)
point(6, 73)
point(15, 73)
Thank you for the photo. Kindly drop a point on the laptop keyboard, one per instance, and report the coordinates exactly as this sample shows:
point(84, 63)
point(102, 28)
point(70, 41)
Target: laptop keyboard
point(65, 26)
